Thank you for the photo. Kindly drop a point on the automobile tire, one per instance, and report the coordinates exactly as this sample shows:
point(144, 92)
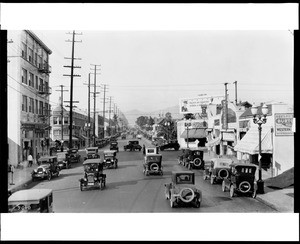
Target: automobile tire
point(32, 179)
point(223, 186)
point(223, 173)
point(212, 180)
point(231, 191)
point(116, 165)
point(188, 190)
point(179, 162)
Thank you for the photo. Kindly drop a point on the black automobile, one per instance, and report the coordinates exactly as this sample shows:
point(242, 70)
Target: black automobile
point(114, 146)
point(123, 136)
point(153, 164)
point(91, 152)
point(170, 145)
point(72, 155)
point(93, 174)
point(110, 159)
point(48, 167)
point(192, 158)
point(133, 146)
point(241, 180)
point(63, 163)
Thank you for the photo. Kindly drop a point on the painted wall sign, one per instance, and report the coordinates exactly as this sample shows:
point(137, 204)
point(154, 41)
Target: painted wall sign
point(283, 124)
point(197, 104)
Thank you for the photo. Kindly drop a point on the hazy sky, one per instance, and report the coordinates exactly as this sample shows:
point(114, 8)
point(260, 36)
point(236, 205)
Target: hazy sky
point(151, 70)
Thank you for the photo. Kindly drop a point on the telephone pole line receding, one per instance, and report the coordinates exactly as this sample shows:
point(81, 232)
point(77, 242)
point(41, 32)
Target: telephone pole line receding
point(104, 109)
point(62, 113)
point(95, 82)
point(71, 86)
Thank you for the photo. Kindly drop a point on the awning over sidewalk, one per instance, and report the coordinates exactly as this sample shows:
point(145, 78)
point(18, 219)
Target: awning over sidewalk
point(193, 133)
point(250, 144)
point(213, 142)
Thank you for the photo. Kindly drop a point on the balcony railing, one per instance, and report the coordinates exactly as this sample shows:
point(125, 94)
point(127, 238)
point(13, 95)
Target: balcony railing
point(44, 90)
point(44, 68)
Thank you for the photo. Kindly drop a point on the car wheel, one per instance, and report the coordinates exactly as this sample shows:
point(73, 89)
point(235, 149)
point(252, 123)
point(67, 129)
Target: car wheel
point(161, 173)
point(212, 180)
point(147, 173)
point(231, 192)
point(116, 165)
point(223, 186)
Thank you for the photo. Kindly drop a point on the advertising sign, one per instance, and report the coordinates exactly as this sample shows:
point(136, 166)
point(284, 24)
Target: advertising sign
point(284, 124)
point(198, 104)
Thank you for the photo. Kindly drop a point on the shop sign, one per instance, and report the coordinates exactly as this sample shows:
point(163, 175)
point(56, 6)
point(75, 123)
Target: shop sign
point(283, 124)
point(228, 136)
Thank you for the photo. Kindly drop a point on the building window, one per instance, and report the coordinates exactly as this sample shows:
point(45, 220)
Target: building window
point(24, 104)
point(36, 106)
point(55, 120)
point(31, 79)
point(24, 76)
point(66, 132)
point(36, 82)
point(56, 132)
point(46, 109)
point(41, 85)
point(30, 55)
point(41, 108)
point(24, 50)
point(66, 120)
point(31, 105)
point(40, 62)
point(35, 59)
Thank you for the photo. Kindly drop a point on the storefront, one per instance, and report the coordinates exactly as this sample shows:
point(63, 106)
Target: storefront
point(228, 141)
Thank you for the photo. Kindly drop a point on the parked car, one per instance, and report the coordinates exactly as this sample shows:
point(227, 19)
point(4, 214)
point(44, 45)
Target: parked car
point(93, 174)
point(63, 163)
point(48, 167)
point(192, 158)
point(31, 201)
point(182, 189)
point(218, 170)
point(114, 146)
point(110, 159)
point(73, 156)
point(132, 146)
point(91, 152)
point(169, 145)
point(153, 164)
point(241, 180)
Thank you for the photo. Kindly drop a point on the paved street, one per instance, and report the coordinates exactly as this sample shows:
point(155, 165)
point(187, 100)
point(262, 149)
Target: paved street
point(128, 190)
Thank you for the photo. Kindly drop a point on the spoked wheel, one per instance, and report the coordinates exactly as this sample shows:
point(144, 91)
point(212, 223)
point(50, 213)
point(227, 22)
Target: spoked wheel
point(231, 192)
point(223, 186)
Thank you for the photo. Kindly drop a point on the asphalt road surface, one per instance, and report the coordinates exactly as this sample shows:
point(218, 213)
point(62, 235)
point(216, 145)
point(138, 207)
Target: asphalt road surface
point(128, 190)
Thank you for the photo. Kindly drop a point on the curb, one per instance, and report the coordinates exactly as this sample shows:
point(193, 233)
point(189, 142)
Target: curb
point(18, 187)
point(268, 203)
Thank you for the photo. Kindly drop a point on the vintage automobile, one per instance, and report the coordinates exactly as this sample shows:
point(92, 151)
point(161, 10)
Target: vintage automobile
point(31, 201)
point(193, 158)
point(152, 164)
point(110, 159)
point(169, 145)
point(62, 162)
point(241, 180)
point(73, 156)
point(123, 136)
point(114, 146)
point(218, 170)
point(93, 174)
point(91, 152)
point(48, 167)
point(182, 189)
point(132, 146)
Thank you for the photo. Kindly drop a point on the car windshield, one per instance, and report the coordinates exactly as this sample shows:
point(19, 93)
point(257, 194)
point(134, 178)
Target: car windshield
point(109, 154)
point(184, 179)
point(91, 167)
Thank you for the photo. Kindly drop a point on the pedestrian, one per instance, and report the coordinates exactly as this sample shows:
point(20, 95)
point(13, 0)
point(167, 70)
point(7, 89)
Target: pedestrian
point(144, 149)
point(30, 160)
point(37, 159)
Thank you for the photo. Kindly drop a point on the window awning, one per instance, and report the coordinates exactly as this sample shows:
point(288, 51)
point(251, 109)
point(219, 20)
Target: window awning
point(213, 142)
point(250, 144)
point(193, 133)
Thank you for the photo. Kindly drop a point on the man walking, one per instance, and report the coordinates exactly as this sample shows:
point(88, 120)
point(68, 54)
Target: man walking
point(30, 160)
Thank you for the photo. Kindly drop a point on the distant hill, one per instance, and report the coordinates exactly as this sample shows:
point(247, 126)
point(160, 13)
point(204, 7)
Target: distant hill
point(132, 115)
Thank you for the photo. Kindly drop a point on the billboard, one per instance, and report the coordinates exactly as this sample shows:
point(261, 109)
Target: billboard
point(198, 104)
point(284, 124)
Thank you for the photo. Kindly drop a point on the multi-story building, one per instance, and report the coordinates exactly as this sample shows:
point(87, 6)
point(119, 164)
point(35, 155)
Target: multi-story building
point(28, 95)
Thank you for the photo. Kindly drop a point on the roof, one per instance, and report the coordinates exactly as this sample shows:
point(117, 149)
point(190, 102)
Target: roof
point(93, 161)
point(38, 40)
point(194, 133)
point(250, 142)
point(29, 195)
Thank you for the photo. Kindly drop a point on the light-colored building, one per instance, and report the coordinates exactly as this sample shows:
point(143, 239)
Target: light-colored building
point(28, 96)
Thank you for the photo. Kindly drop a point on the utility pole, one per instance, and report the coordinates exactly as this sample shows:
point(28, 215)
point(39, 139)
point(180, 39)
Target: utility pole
point(235, 83)
point(71, 85)
point(62, 113)
point(109, 116)
point(104, 108)
point(226, 109)
point(89, 112)
point(95, 82)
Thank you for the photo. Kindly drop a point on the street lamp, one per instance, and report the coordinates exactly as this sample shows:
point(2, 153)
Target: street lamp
point(187, 125)
point(259, 120)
